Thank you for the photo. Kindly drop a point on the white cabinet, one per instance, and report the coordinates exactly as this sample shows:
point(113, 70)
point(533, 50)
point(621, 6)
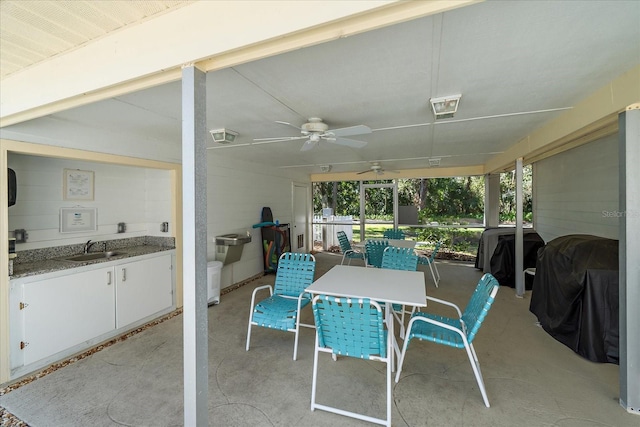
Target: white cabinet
point(142, 289)
point(62, 312)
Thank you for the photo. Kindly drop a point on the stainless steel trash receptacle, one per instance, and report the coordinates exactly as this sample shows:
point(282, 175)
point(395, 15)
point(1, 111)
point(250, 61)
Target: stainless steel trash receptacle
point(214, 272)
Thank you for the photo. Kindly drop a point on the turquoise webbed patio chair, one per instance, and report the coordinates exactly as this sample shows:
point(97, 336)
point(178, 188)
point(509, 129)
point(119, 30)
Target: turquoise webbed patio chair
point(281, 310)
point(393, 233)
point(457, 332)
point(346, 249)
point(375, 250)
point(353, 328)
point(431, 262)
point(396, 258)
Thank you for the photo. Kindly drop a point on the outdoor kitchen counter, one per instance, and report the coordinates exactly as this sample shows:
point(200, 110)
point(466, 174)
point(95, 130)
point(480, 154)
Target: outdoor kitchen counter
point(60, 263)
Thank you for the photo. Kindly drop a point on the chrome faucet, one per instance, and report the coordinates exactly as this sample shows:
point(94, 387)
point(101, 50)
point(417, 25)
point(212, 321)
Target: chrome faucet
point(87, 246)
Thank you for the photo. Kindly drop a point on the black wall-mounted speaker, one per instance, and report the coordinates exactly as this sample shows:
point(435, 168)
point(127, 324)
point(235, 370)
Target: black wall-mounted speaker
point(12, 191)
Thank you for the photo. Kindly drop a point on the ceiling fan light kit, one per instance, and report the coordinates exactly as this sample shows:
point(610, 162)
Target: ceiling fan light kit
point(223, 136)
point(445, 107)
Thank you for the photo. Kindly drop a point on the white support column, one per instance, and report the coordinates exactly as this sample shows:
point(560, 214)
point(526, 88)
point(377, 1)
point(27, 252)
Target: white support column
point(629, 347)
point(194, 214)
point(519, 242)
point(492, 200)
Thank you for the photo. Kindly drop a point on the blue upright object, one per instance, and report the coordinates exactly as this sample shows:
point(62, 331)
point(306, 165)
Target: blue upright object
point(354, 328)
point(396, 258)
point(347, 250)
point(275, 239)
point(375, 249)
point(431, 262)
point(281, 310)
point(458, 332)
point(393, 233)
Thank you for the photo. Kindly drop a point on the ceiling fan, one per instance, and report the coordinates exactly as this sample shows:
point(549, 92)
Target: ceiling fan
point(316, 130)
point(377, 169)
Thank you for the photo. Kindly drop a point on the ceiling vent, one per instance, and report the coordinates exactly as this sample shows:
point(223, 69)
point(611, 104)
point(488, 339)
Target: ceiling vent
point(223, 136)
point(434, 162)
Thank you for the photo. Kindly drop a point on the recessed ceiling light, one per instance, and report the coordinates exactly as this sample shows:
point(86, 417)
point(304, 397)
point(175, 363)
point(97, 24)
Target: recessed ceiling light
point(223, 136)
point(445, 106)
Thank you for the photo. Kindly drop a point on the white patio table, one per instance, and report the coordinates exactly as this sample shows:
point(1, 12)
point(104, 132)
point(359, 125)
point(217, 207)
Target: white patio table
point(378, 284)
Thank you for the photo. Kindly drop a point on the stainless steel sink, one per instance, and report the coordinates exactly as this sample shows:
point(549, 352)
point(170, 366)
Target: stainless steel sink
point(93, 256)
point(232, 239)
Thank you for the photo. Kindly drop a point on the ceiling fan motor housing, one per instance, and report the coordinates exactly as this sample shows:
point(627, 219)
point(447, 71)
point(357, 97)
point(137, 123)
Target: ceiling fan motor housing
point(314, 125)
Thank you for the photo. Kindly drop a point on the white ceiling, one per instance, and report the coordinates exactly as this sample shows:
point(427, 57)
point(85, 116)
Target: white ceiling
point(517, 65)
point(34, 31)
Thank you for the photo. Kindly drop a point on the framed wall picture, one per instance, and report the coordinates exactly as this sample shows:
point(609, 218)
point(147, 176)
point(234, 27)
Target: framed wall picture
point(78, 184)
point(78, 219)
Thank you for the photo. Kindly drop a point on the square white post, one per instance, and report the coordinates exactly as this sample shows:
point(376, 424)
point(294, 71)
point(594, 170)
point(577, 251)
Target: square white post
point(629, 278)
point(492, 200)
point(519, 241)
point(194, 237)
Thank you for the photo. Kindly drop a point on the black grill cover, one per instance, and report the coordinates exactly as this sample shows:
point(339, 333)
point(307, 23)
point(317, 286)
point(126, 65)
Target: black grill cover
point(503, 259)
point(575, 295)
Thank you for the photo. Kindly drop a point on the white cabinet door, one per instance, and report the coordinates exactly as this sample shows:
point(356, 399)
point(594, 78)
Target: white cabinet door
point(142, 289)
point(65, 311)
point(16, 330)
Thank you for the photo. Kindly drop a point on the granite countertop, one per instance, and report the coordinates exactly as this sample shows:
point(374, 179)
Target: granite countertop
point(57, 264)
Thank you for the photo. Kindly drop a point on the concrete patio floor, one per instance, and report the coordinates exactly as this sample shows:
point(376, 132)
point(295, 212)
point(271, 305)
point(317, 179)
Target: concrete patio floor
point(531, 379)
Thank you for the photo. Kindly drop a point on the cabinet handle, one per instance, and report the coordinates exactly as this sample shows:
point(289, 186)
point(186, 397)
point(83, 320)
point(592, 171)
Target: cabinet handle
point(124, 274)
point(108, 278)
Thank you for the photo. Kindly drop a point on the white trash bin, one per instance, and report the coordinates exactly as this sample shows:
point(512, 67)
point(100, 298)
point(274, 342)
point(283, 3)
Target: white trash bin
point(214, 271)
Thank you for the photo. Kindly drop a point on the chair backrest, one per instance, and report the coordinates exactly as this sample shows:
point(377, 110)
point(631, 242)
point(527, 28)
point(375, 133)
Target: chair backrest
point(435, 251)
point(479, 304)
point(397, 258)
point(350, 327)
point(295, 273)
point(393, 233)
point(375, 250)
point(345, 245)
point(428, 260)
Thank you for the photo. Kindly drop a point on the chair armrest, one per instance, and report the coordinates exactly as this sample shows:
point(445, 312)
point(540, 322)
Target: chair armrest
point(450, 304)
point(255, 291)
point(459, 331)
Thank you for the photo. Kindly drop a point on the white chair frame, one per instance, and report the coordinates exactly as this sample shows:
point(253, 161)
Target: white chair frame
point(388, 360)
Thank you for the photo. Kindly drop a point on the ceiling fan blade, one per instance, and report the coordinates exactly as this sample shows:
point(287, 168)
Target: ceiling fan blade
point(347, 142)
point(368, 170)
point(288, 124)
point(351, 130)
point(308, 145)
point(280, 138)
